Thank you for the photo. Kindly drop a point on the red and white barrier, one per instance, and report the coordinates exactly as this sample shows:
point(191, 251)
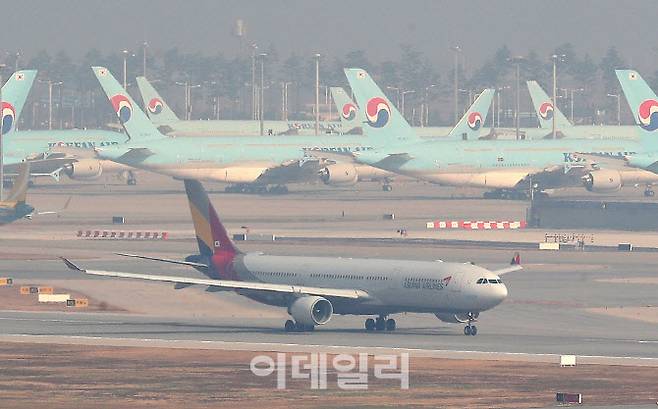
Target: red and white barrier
point(477, 224)
point(122, 235)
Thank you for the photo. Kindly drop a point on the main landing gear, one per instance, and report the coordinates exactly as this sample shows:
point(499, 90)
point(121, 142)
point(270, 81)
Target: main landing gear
point(292, 326)
point(380, 324)
point(131, 180)
point(470, 329)
point(648, 192)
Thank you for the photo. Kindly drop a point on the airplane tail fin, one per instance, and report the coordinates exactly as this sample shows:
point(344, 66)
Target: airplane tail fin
point(470, 124)
point(14, 94)
point(350, 115)
point(134, 121)
point(643, 104)
point(382, 122)
point(212, 238)
point(544, 108)
point(156, 107)
point(18, 193)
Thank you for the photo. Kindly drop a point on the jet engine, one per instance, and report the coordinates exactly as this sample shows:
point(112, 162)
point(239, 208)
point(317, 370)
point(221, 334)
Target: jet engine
point(311, 310)
point(339, 174)
point(602, 181)
point(84, 169)
point(457, 318)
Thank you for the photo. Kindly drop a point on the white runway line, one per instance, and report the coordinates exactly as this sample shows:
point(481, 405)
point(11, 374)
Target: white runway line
point(337, 349)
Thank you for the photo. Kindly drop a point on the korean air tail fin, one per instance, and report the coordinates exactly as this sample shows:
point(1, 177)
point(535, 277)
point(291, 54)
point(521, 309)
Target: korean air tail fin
point(14, 94)
point(155, 106)
point(349, 113)
point(643, 103)
point(473, 120)
point(545, 109)
point(381, 120)
point(212, 238)
point(132, 118)
point(18, 193)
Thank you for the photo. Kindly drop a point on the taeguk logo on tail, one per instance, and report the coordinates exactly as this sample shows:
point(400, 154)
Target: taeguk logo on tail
point(546, 110)
point(349, 112)
point(8, 116)
point(377, 112)
point(474, 120)
point(648, 115)
point(155, 106)
point(122, 107)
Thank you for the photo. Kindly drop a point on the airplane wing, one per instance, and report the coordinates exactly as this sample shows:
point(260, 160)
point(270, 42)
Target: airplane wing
point(57, 212)
point(336, 156)
point(135, 155)
point(291, 172)
point(165, 260)
point(354, 294)
point(394, 161)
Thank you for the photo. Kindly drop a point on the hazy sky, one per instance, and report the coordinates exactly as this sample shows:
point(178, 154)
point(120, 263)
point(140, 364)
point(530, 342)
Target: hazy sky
point(333, 27)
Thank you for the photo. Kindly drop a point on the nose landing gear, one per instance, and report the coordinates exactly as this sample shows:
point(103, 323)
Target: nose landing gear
point(471, 329)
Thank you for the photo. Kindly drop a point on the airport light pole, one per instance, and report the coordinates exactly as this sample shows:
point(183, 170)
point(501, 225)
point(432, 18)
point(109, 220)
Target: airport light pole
point(571, 92)
point(284, 100)
point(618, 107)
point(425, 113)
point(457, 49)
point(317, 94)
point(262, 93)
point(145, 45)
point(403, 93)
point(254, 98)
point(517, 61)
point(50, 100)
point(2, 120)
point(555, 57)
point(396, 89)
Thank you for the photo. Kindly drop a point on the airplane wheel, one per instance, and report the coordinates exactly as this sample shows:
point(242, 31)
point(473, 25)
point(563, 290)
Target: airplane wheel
point(387, 188)
point(290, 326)
point(467, 330)
point(474, 330)
point(380, 324)
point(131, 182)
point(370, 324)
point(390, 324)
point(649, 193)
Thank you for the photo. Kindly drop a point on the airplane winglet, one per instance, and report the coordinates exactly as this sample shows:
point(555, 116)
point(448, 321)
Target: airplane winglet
point(71, 265)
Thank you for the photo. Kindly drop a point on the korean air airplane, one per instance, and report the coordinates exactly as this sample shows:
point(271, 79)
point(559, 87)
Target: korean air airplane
point(351, 117)
point(51, 151)
point(313, 289)
point(643, 103)
point(509, 167)
point(543, 105)
point(166, 120)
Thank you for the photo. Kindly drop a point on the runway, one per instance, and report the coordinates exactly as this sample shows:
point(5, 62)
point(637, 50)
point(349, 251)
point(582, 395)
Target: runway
point(550, 309)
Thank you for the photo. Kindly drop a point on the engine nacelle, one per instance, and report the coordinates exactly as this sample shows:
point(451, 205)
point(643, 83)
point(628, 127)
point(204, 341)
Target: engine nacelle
point(603, 181)
point(311, 310)
point(339, 174)
point(84, 169)
point(457, 318)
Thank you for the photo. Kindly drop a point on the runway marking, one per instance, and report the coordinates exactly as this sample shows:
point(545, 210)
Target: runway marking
point(292, 347)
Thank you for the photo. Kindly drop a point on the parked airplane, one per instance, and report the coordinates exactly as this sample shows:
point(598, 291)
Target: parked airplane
point(643, 102)
point(352, 117)
point(509, 167)
point(167, 122)
point(314, 288)
point(14, 207)
point(543, 105)
point(51, 151)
